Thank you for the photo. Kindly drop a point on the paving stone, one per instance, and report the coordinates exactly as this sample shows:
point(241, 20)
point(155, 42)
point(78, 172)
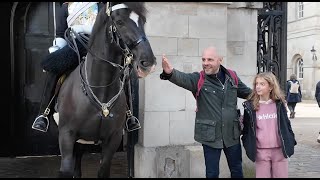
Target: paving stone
point(48, 166)
point(305, 163)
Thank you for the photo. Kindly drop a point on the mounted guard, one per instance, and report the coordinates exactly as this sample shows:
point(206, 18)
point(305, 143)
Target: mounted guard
point(63, 58)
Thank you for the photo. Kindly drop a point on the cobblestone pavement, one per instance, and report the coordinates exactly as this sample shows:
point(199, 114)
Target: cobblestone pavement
point(48, 166)
point(305, 163)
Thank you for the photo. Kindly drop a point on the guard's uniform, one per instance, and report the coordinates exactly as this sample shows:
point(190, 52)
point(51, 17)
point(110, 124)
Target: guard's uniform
point(87, 17)
point(70, 14)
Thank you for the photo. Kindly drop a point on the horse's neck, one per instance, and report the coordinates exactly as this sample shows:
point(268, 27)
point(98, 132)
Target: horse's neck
point(101, 73)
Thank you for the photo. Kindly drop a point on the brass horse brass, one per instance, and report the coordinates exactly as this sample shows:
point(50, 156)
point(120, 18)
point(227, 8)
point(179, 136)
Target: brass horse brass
point(105, 112)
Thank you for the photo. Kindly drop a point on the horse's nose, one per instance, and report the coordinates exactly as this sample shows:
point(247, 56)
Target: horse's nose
point(146, 63)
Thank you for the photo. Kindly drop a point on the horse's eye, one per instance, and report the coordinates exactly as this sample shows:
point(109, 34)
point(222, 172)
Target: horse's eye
point(120, 23)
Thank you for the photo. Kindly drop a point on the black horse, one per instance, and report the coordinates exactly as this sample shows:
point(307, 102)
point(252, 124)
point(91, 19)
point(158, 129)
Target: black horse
point(92, 102)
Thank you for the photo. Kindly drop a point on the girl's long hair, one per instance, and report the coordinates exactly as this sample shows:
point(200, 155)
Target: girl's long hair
point(275, 94)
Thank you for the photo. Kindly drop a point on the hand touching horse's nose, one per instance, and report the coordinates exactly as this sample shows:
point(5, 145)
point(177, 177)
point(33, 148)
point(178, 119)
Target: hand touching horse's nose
point(166, 66)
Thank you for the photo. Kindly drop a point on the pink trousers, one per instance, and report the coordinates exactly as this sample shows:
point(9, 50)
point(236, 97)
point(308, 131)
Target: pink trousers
point(270, 163)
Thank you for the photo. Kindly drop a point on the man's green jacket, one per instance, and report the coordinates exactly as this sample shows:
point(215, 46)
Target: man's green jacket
point(216, 120)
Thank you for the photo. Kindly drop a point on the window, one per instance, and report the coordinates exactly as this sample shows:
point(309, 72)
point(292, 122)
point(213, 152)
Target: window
point(300, 9)
point(300, 68)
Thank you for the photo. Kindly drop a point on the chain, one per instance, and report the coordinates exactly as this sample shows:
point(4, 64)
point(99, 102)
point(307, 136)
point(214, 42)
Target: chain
point(113, 99)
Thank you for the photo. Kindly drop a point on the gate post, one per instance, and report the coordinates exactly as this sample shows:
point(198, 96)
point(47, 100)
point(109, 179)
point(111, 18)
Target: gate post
point(272, 40)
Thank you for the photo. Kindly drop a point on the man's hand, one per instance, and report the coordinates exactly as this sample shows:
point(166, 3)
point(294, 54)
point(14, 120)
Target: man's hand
point(166, 66)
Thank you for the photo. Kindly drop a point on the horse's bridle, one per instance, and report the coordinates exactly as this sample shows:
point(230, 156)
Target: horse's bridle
point(125, 69)
point(116, 36)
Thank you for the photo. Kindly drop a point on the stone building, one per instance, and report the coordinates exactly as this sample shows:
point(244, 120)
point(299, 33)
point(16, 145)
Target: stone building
point(303, 45)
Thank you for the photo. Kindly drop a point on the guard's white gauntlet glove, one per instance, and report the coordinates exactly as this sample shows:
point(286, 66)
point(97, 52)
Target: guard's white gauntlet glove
point(57, 43)
point(86, 29)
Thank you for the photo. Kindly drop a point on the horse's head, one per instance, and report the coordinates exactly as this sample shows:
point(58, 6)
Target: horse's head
point(125, 28)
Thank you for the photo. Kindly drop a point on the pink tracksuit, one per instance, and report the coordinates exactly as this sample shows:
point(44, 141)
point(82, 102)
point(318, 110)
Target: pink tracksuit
point(270, 161)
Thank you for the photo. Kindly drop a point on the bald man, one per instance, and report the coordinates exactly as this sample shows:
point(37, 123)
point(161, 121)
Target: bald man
point(216, 125)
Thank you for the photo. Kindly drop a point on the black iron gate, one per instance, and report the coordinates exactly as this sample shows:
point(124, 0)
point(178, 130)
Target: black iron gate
point(272, 40)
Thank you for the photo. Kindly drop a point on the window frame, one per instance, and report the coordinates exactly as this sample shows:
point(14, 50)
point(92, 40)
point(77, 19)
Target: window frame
point(300, 10)
point(299, 70)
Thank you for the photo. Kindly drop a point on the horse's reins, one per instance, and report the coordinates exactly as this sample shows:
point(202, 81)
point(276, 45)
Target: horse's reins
point(77, 36)
point(115, 35)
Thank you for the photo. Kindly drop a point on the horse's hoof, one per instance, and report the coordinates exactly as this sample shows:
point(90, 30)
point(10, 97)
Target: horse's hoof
point(65, 175)
point(77, 176)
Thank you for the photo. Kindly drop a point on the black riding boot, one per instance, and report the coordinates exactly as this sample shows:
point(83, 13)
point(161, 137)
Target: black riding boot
point(41, 123)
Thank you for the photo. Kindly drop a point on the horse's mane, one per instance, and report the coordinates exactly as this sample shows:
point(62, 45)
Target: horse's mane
point(102, 18)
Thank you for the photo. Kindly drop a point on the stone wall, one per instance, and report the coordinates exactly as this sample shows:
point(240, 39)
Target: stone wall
point(181, 30)
point(303, 33)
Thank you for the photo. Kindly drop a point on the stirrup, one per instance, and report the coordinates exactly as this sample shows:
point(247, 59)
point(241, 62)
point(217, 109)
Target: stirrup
point(43, 116)
point(135, 119)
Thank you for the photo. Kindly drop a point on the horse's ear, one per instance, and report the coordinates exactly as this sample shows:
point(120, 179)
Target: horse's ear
point(114, 3)
point(105, 2)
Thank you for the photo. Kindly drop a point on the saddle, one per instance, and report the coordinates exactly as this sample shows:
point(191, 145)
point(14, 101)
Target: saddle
point(59, 83)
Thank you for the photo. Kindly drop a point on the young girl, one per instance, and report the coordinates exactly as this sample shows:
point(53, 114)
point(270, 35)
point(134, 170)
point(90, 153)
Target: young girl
point(267, 134)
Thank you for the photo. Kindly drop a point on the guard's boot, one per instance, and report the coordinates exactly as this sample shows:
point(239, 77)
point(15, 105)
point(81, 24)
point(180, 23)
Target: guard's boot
point(293, 115)
point(132, 123)
point(41, 123)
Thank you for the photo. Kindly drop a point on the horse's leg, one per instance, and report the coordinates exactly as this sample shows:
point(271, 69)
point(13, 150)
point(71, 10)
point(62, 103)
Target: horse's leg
point(66, 144)
point(108, 150)
point(78, 152)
